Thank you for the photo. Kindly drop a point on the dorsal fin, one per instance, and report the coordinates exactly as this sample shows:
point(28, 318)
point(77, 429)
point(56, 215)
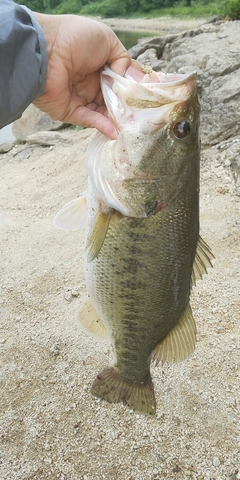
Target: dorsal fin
point(179, 343)
point(202, 261)
point(72, 216)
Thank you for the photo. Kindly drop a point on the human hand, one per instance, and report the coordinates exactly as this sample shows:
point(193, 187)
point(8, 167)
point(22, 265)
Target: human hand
point(78, 47)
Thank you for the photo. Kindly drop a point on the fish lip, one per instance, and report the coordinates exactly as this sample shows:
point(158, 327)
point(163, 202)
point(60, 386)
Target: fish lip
point(186, 77)
point(106, 71)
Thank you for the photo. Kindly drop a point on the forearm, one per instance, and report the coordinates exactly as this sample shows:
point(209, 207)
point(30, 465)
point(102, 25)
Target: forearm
point(23, 60)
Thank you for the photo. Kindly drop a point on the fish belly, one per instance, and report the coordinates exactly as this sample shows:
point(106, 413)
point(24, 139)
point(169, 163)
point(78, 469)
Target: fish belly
point(139, 284)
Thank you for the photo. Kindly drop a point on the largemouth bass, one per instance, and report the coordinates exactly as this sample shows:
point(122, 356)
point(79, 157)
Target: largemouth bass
point(143, 250)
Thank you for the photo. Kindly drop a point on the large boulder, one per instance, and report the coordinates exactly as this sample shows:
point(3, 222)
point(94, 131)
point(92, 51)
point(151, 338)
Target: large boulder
point(211, 50)
point(33, 121)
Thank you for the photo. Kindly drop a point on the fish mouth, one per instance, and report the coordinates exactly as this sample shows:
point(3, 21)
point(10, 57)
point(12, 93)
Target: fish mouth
point(145, 74)
point(145, 100)
point(141, 88)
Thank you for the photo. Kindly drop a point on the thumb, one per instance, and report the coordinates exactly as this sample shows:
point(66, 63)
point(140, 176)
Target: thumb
point(120, 59)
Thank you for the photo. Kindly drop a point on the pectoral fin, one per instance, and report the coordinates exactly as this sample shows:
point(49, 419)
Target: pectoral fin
point(179, 343)
point(97, 234)
point(202, 261)
point(72, 216)
point(90, 321)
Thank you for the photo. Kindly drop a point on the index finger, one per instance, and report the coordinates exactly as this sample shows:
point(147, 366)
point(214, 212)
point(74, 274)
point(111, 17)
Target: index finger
point(119, 59)
point(85, 117)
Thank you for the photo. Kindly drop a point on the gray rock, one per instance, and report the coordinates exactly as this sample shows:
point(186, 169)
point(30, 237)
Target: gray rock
point(22, 153)
point(231, 159)
point(157, 43)
point(33, 121)
point(6, 146)
point(149, 57)
point(46, 138)
point(213, 52)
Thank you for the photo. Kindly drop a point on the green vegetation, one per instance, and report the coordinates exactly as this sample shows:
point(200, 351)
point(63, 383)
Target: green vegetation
point(138, 8)
point(233, 9)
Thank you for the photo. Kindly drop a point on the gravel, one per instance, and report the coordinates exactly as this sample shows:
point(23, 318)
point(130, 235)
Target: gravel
point(51, 426)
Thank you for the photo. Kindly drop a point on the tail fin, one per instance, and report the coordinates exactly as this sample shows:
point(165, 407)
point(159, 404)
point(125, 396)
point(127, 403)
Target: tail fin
point(110, 386)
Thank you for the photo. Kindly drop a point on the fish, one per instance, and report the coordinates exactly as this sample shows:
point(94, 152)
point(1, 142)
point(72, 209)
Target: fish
point(143, 251)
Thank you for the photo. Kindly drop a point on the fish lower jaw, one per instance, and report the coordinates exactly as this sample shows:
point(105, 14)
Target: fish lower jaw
point(112, 387)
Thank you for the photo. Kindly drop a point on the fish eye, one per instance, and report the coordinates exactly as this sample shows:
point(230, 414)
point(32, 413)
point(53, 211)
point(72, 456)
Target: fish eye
point(182, 129)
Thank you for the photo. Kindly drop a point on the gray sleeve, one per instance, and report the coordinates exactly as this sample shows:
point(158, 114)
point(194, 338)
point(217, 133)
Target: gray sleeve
point(23, 60)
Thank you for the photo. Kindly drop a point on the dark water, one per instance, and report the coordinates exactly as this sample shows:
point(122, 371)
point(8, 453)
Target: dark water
point(130, 38)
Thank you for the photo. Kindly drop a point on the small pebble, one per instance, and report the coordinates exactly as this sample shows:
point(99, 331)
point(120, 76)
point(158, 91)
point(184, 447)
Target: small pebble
point(233, 477)
point(6, 146)
point(75, 293)
point(216, 462)
point(68, 296)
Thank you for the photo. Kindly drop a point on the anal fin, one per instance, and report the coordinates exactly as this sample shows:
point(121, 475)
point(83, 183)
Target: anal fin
point(179, 343)
point(90, 321)
point(110, 386)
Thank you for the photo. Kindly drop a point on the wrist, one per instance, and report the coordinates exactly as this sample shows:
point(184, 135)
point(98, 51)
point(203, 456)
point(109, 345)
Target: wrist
point(50, 27)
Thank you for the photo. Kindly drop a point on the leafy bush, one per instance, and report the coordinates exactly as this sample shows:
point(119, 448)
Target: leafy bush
point(106, 8)
point(232, 9)
point(35, 5)
point(69, 6)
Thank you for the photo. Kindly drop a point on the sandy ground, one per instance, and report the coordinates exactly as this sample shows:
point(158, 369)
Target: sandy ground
point(166, 24)
point(50, 425)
